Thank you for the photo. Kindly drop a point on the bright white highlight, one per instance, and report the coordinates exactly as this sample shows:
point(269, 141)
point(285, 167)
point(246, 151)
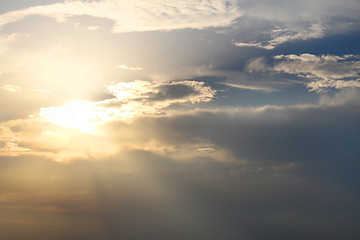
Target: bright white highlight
point(80, 115)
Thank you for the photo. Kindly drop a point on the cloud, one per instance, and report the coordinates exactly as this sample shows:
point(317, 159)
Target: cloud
point(173, 91)
point(62, 133)
point(125, 67)
point(338, 84)
point(251, 44)
point(164, 93)
point(257, 65)
point(250, 87)
point(320, 72)
point(346, 96)
point(279, 35)
point(130, 100)
point(139, 98)
point(93, 28)
point(267, 24)
point(324, 72)
point(272, 134)
point(139, 15)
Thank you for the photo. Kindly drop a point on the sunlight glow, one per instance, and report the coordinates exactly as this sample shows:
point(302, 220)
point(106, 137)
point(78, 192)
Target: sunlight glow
point(131, 100)
point(80, 115)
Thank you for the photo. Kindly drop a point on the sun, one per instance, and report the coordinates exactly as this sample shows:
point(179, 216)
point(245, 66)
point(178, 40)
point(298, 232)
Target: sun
point(81, 115)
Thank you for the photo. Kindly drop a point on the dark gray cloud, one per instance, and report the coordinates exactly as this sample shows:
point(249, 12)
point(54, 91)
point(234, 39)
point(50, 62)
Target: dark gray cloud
point(273, 134)
point(172, 91)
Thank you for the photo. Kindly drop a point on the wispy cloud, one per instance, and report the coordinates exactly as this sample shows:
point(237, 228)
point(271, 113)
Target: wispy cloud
point(281, 35)
point(140, 98)
point(323, 72)
point(125, 67)
point(320, 72)
point(139, 15)
point(251, 87)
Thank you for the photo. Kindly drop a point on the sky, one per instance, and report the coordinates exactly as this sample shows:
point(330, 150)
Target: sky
point(197, 119)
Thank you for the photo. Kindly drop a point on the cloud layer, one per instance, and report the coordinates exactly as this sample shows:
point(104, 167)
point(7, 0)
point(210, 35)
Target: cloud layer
point(139, 15)
point(243, 125)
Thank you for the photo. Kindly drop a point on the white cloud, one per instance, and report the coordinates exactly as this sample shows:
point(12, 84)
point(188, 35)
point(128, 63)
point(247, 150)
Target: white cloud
point(154, 97)
point(338, 84)
point(257, 65)
point(325, 71)
point(281, 35)
point(93, 28)
point(251, 87)
point(125, 67)
point(250, 44)
point(138, 15)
